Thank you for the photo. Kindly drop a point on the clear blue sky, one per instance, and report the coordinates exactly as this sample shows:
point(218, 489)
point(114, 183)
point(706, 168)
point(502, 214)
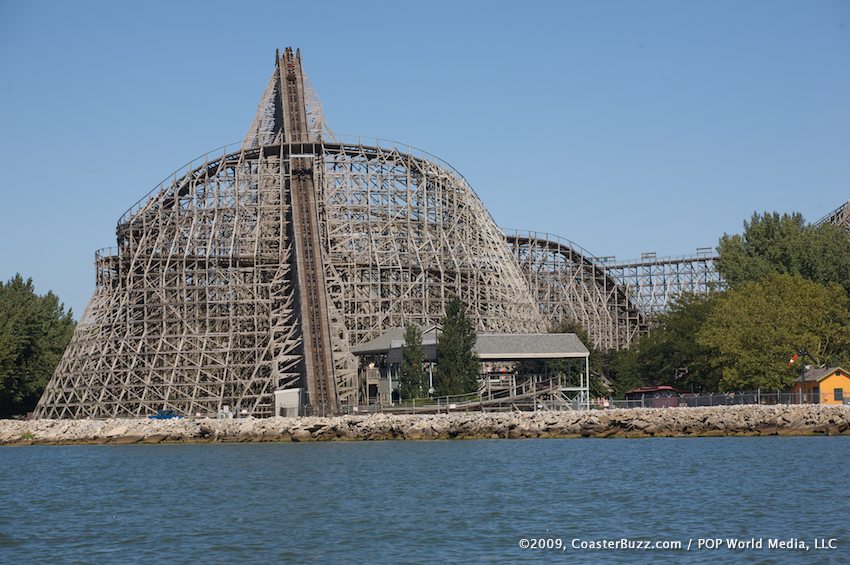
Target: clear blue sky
point(624, 126)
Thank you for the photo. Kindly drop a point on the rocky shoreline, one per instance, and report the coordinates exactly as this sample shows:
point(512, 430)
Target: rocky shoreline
point(629, 423)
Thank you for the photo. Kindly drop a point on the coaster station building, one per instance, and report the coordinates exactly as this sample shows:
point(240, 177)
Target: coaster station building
point(515, 368)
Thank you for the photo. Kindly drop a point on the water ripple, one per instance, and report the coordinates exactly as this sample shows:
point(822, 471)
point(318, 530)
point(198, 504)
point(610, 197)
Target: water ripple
point(414, 502)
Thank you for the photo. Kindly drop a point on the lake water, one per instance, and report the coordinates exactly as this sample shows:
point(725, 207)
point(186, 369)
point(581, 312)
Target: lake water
point(418, 502)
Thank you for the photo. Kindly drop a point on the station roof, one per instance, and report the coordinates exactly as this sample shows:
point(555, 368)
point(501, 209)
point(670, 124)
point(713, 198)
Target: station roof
point(391, 339)
point(488, 347)
point(529, 346)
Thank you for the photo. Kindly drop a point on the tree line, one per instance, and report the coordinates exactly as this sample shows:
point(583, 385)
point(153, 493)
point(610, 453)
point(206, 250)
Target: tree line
point(34, 332)
point(787, 285)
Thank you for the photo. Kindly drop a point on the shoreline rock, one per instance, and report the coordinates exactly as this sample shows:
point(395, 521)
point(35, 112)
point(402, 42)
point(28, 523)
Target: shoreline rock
point(745, 420)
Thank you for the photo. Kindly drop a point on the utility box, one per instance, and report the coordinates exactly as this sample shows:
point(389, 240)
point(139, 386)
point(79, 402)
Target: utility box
point(289, 402)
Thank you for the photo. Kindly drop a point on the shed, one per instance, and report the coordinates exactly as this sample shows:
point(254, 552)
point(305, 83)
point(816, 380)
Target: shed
point(824, 385)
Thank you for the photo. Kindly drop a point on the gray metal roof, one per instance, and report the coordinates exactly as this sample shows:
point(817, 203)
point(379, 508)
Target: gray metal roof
point(489, 346)
point(393, 337)
point(820, 373)
point(529, 346)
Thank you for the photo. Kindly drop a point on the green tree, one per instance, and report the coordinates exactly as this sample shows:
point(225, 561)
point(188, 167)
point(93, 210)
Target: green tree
point(34, 332)
point(413, 382)
point(754, 329)
point(774, 243)
point(623, 370)
point(457, 368)
point(670, 354)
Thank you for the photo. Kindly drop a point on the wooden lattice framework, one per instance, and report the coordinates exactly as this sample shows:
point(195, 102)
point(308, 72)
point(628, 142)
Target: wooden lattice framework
point(613, 301)
point(200, 305)
point(839, 217)
point(203, 302)
point(571, 285)
point(653, 283)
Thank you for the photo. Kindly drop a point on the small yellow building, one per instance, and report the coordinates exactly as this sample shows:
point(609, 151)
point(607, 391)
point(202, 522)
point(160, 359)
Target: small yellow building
point(824, 386)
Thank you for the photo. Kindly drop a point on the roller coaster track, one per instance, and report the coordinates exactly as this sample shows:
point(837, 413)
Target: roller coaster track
point(839, 217)
point(654, 283)
point(612, 300)
point(571, 285)
point(308, 262)
point(309, 266)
